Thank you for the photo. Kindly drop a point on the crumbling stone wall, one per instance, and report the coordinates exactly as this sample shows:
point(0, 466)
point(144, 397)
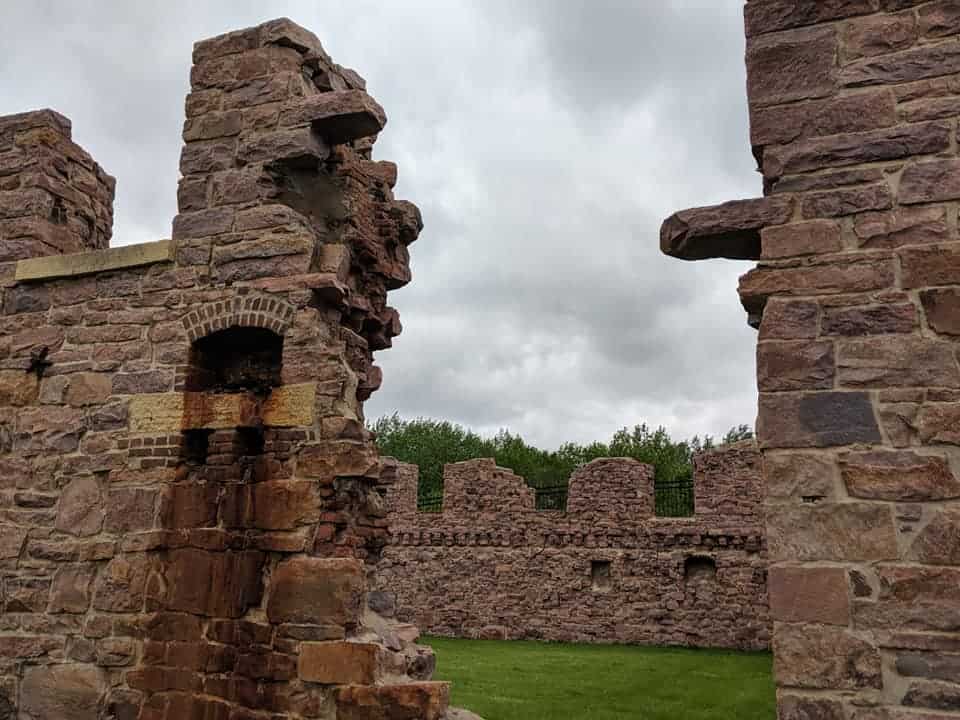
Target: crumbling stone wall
point(854, 108)
point(190, 506)
point(606, 570)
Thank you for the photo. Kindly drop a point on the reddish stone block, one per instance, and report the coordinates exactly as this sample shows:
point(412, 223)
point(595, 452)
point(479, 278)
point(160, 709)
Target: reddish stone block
point(918, 64)
point(904, 226)
point(814, 595)
point(824, 658)
point(771, 61)
point(411, 701)
point(899, 476)
point(873, 320)
point(340, 663)
point(820, 419)
point(855, 113)
point(896, 361)
point(857, 148)
point(808, 238)
point(930, 181)
point(316, 591)
point(217, 584)
point(788, 366)
point(942, 310)
point(854, 532)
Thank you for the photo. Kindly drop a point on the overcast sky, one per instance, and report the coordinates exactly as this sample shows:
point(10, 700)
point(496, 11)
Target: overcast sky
point(544, 141)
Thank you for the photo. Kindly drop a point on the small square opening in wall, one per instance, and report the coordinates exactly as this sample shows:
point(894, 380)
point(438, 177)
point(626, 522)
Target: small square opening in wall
point(600, 575)
point(195, 446)
point(250, 441)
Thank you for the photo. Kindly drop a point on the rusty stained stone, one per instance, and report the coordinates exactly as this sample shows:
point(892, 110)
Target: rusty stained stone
point(340, 663)
point(412, 701)
point(222, 584)
point(316, 591)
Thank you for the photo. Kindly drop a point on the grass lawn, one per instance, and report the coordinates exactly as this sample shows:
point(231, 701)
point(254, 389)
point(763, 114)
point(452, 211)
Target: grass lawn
point(540, 681)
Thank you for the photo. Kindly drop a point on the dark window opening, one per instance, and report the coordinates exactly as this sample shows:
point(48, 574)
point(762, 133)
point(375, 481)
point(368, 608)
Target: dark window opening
point(195, 446)
point(250, 441)
point(699, 568)
point(600, 575)
point(58, 213)
point(235, 360)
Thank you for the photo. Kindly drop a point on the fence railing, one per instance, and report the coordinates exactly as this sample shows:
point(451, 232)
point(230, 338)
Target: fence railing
point(674, 498)
point(430, 502)
point(671, 499)
point(552, 497)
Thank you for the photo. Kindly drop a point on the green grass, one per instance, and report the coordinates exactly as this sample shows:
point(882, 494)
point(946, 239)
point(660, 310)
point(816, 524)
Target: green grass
point(540, 681)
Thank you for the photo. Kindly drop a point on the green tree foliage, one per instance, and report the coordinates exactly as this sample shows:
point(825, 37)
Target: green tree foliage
point(430, 444)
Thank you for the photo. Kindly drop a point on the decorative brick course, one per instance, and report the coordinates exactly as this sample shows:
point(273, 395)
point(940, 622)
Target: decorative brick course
point(854, 107)
point(606, 570)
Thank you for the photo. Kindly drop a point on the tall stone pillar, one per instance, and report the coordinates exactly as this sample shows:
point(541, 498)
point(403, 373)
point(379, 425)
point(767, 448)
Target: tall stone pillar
point(54, 199)
point(854, 108)
point(191, 508)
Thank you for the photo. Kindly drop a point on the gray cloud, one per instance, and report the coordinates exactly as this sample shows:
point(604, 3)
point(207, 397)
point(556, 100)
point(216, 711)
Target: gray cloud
point(544, 143)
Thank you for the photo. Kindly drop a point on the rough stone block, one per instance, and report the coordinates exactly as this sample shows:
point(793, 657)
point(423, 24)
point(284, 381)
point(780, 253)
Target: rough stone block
point(317, 591)
point(902, 476)
point(787, 366)
point(897, 361)
point(809, 595)
point(412, 701)
point(340, 663)
point(818, 419)
point(824, 658)
point(855, 532)
point(772, 63)
point(64, 692)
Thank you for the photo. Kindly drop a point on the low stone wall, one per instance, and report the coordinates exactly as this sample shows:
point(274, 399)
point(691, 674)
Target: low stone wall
point(606, 570)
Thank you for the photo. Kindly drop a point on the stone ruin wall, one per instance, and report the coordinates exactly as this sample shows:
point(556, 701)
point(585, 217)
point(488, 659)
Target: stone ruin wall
point(854, 109)
point(606, 570)
point(190, 505)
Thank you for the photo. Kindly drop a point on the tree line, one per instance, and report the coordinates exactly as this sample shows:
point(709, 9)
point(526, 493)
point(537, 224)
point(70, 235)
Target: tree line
point(430, 444)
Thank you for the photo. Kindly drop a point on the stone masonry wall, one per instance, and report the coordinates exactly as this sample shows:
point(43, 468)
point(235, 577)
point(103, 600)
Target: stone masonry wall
point(606, 570)
point(55, 198)
point(854, 111)
point(190, 506)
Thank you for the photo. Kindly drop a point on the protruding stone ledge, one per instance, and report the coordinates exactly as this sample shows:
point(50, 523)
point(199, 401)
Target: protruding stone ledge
point(128, 256)
point(731, 230)
point(339, 116)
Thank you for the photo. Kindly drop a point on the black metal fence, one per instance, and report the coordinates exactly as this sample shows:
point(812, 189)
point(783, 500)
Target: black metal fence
point(430, 502)
point(552, 497)
point(674, 498)
point(671, 499)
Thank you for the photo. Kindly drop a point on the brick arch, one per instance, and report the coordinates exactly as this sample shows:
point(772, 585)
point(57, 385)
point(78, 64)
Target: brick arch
point(248, 310)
